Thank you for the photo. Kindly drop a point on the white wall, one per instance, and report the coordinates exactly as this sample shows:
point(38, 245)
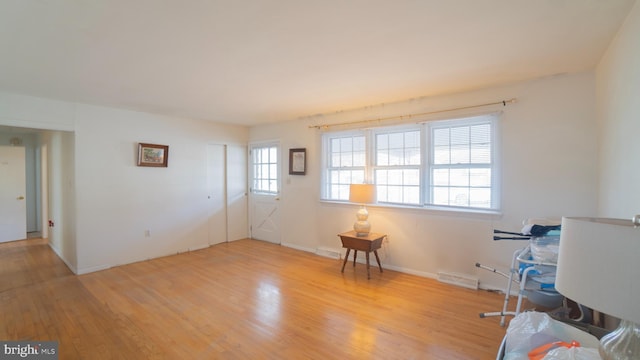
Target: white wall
point(118, 202)
point(549, 169)
point(100, 201)
point(61, 194)
point(618, 89)
point(37, 113)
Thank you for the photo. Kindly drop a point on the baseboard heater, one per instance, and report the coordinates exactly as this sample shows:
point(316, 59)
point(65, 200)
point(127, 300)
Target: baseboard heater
point(465, 281)
point(329, 252)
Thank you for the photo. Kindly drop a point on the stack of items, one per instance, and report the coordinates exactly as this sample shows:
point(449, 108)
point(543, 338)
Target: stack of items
point(538, 265)
point(533, 268)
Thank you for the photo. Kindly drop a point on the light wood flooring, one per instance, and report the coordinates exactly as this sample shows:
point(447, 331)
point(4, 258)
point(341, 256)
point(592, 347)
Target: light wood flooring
point(246, 299)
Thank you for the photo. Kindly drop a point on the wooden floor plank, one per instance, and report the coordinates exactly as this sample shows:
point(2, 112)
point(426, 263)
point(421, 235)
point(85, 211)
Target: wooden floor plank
point(241, 300)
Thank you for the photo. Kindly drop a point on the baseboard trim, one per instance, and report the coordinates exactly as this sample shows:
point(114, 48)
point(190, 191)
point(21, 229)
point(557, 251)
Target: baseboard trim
point(59, 253)
point(298, 247)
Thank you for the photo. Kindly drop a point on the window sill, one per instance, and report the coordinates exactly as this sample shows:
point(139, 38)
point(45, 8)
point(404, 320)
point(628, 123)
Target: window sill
point(435, 210)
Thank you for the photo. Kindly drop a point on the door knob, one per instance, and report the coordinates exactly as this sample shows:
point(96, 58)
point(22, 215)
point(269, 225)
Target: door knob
point(20, 197)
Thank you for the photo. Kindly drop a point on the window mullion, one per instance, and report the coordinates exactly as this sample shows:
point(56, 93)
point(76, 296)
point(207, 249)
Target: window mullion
point(370, 156)
point(427, 155)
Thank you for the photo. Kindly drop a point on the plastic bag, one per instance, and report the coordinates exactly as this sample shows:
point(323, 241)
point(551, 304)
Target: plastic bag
point(575, 353)
point(530, 330)
point(541, 352)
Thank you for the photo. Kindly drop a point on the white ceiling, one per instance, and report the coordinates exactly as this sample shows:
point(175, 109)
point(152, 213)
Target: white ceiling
point(256, 61)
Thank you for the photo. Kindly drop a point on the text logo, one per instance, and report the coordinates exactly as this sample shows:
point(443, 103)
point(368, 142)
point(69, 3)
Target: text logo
point(29, 350)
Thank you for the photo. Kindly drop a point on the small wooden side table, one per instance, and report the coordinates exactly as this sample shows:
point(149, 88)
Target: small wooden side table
point(369, 243)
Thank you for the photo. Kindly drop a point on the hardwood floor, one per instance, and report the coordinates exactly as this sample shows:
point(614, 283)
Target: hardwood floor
point(241, 300)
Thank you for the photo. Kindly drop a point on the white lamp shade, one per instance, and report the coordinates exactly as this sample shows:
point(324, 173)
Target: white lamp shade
point(362, 193)
point(599, 265)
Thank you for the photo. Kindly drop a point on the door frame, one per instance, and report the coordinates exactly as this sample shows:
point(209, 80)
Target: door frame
point(237, 191)
point(253, 193)
point(233, 194)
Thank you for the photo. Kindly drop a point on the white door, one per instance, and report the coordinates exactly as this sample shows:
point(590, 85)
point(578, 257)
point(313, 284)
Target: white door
point(13, 208)
point(265, 192)
point(216, 194)
point(237, 222)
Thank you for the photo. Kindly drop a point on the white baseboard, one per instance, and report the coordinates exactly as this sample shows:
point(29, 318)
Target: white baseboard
point(298, 247)
point(93, 269)
point(59, 253)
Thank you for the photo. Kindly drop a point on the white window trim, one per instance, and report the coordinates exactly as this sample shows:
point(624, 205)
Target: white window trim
point(494, 119)
point(326, 137)
point(372, 165)
point(260, 145)
point(424, 126)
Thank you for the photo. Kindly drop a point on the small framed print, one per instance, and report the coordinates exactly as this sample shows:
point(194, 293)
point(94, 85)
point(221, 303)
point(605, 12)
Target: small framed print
point(297, 161)
point(153, 155)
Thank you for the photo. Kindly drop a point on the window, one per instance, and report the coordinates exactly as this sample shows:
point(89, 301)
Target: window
point(397, 166)
point(346, 162)
point(449, 163)
point(461, 165)
point(264, 160)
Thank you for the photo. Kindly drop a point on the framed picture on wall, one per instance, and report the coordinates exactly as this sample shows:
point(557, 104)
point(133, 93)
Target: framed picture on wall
point(297, 161)
point(153, 155)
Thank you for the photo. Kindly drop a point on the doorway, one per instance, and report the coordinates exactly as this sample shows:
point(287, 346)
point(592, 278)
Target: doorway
point(264, 194)
point(227, 192)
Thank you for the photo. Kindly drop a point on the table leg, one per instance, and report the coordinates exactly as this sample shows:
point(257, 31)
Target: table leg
point(375, 252)
point(355, 254)
point(368, 271)
point(346, 257)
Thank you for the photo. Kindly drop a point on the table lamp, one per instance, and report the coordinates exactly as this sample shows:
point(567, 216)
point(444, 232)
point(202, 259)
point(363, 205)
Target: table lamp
point(362, 194)
point(599, 267)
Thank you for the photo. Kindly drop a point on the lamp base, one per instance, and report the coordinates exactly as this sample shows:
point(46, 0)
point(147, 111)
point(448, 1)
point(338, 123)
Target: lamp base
point(362, 226)
point(621, 344)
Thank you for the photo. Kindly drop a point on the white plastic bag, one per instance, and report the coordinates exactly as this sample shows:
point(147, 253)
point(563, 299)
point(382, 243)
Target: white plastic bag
point(530, 330)
point(574, 353)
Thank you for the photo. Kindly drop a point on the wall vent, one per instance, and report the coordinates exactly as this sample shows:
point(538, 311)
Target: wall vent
point(328, 252)
point(465, 281)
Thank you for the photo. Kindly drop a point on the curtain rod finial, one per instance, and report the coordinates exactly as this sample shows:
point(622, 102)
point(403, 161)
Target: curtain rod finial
point(510, 101)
